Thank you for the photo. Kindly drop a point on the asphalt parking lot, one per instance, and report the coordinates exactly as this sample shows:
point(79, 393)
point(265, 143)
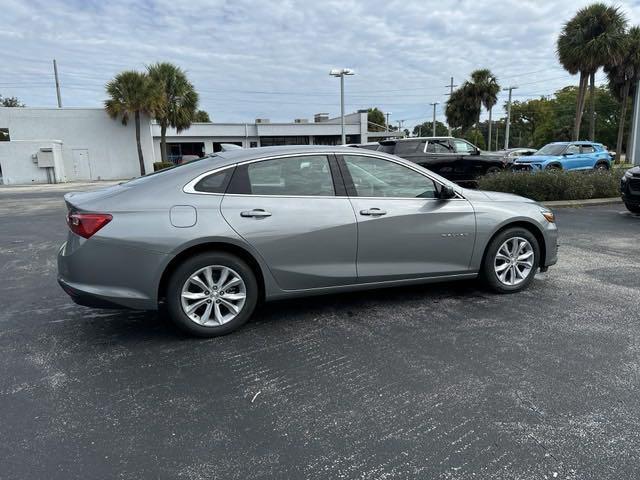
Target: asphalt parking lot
point(445, 381)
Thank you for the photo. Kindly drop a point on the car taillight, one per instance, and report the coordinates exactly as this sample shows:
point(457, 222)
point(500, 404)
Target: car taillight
point(86, 224)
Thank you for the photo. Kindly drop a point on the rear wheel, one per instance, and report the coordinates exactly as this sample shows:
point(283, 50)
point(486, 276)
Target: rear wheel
point(632, 208)
point(211, 294)
point(511, 260)
point(493, 170)
point(553, 166)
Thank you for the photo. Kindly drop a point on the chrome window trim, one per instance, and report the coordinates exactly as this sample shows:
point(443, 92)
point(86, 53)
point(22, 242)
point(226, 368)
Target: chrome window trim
point(190, 186)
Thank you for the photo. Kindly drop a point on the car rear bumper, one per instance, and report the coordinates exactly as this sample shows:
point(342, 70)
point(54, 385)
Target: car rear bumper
point(104, 274)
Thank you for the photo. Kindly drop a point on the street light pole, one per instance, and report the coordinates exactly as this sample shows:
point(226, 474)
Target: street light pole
point(506, 130)
point(434, 117)
point(451, 87)
point(341, 72)
point(387, 114)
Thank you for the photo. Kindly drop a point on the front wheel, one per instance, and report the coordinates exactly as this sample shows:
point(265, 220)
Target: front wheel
point(511, 260)
point(212, 294)
point(632, 208)
point(601, 166)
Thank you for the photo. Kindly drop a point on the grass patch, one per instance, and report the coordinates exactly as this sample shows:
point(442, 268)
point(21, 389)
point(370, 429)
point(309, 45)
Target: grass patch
point(555, 185)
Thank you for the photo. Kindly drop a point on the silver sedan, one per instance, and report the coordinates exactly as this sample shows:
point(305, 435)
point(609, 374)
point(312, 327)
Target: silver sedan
point(211, 238)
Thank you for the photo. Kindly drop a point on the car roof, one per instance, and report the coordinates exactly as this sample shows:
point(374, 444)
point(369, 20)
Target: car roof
point(577, 142)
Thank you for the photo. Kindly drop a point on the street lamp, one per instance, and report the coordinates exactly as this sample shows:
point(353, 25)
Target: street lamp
point(387, 114)
point(341, 72)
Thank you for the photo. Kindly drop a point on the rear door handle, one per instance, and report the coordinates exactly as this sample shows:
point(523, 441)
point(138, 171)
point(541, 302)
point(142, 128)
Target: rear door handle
point(374, 212)
point(256, 213)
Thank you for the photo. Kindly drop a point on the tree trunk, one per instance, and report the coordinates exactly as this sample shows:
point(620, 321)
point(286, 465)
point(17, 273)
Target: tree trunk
point(623, 115)
point(580, 105)
point(489, 141)
point(140, 157)
point(163, 142)
point(592, 106)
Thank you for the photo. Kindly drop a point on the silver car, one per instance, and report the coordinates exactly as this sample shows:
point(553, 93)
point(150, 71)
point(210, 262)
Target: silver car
point(211, 238)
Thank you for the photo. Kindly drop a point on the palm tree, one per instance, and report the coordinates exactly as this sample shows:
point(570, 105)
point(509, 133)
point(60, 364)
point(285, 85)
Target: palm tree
point(591, 39)
point(486, 89)
point(623, 77)
point(201, 116)
point(179, 102)
point(462, 108)
point(132, 93)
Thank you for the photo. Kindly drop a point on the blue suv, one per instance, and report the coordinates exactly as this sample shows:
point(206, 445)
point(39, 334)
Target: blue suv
point(566, 156)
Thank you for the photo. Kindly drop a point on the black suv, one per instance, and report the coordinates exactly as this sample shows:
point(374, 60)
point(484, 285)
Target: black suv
point(630, 189)
point(453, 158)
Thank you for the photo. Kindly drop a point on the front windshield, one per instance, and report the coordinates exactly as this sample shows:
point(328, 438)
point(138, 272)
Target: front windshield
point(552, 149)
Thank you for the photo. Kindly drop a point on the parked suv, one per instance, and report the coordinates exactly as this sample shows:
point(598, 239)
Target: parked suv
point(566, 156)
point(453, 158)
point(630, 189)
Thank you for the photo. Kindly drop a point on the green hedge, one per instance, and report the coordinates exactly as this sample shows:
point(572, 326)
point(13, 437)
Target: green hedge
point(160, 165)
point(555, 185)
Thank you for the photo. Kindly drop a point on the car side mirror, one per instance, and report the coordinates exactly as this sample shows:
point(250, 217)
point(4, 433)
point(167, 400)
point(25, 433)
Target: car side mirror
point(447, 192)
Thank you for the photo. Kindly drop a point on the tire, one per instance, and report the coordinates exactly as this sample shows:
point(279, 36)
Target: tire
point(602, 166)
point(632, 208)
point(554, 167)
point(214, 301)
point(493, 170)
point(491, 263)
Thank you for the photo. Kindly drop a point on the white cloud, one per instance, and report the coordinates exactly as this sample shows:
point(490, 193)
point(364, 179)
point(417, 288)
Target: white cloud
point(271, 59)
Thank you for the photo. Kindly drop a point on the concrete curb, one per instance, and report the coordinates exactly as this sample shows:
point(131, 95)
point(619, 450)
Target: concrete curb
point(582, 203)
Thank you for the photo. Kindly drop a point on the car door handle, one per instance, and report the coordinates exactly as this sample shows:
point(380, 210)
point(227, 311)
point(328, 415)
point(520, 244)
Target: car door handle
point(255, 213)
point(373, 212)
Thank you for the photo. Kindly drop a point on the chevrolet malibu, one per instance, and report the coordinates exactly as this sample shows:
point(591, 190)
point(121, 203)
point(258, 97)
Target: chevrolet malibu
point(209, 239)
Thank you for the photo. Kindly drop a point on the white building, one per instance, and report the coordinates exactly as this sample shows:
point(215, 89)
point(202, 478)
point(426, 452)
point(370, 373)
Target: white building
point(47, 145)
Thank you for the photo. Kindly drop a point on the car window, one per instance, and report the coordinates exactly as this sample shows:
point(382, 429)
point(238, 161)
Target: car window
point(375, 177)
point(573, 149)
point(463, 147)
point(305, 175)
point(552, 149)
point(215, 183)
point(439, 146)
point(408, 147)
point(588, 149)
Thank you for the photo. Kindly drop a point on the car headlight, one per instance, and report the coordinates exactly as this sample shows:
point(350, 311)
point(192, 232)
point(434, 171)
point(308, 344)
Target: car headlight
point(549, 215)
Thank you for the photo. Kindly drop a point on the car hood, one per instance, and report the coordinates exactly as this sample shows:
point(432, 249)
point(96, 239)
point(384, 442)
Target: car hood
point(484, 195)
point(635, 171)
point(537, 158)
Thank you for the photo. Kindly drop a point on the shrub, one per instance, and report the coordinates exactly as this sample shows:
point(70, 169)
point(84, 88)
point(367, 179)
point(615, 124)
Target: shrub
point(160, 165)
point(555, 185)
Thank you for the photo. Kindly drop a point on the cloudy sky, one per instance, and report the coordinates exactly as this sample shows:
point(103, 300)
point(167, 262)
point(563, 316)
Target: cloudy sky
point(263, 58)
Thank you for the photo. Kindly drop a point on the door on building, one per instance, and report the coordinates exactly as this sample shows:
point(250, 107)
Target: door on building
point(81, 167)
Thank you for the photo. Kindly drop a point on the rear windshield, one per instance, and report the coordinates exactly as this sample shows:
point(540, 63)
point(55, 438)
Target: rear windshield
point(551, 149)
point(144, 178)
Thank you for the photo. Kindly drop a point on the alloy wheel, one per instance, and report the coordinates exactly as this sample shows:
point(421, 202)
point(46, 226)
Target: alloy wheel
point(213, 295)
point(514, 261)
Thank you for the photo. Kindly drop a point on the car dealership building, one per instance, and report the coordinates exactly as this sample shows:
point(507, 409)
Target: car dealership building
point(51, 145)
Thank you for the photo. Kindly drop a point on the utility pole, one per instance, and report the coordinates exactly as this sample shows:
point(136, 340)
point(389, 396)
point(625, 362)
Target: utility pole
point(400, 122)
point(451, 87)
point(506, 130)
point(434, 116)
point(387, 115)
point(55, 74)
point(633, 153)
